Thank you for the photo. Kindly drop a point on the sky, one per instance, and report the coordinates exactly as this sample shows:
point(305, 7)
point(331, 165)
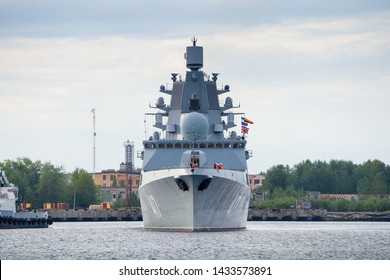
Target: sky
point(313, 76)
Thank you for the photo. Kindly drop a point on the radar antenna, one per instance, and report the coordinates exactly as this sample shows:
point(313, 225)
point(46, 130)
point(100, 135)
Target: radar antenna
point(194, 41)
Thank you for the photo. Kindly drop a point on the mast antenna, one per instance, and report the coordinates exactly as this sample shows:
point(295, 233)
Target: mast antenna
point(94, 140)
point(194, 41)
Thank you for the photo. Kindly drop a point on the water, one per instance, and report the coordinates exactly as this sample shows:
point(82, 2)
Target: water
point(261, 240)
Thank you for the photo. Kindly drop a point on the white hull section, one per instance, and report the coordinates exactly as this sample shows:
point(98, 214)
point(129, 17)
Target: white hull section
point(223, 205)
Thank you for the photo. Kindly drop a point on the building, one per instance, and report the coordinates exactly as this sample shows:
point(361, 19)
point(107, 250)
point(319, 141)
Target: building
point(117, 178)
point(117, 185)
point(256, 181)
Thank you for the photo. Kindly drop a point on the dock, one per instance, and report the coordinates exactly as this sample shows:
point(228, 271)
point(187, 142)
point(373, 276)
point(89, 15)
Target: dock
point(287, 215)
point(88, 215)
point(101, 215)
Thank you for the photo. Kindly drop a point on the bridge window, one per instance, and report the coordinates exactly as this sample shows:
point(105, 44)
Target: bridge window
point(150, 146)
point(241, 145)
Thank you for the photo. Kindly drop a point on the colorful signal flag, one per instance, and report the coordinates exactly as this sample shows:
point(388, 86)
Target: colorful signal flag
point(244, 129)
point(244, 125)
point(243, 119)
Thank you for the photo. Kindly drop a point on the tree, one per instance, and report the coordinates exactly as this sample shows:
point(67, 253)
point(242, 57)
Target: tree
point(277, 177)
point(371, 168)
point(379, 185)
point(322, 179)
point(301, 175)
point(83, 187)
point(52, 184)
point(114, 182)
point(316, 176)
point(364, 186)
point(344, 176)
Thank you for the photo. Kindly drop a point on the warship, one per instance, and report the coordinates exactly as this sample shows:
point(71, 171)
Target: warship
point(9, 216)
point(194, 174)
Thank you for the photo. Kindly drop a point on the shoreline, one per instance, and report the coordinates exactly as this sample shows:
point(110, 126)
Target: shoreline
point(255, 214)
point(86, 215)
point(315, 215)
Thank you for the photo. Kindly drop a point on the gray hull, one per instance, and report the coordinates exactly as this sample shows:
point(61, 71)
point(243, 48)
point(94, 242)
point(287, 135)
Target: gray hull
point(223, 205)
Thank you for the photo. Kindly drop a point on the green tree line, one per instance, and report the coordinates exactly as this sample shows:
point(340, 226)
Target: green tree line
point(39, 183)
point(284, 185)
point(334, 177)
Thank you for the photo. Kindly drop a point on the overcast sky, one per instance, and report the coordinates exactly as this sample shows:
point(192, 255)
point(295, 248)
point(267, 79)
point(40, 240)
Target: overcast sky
point(314, 76)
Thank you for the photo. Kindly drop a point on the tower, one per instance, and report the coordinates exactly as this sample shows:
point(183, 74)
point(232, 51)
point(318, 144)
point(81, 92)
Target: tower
point(129, 156)
point(129, 165)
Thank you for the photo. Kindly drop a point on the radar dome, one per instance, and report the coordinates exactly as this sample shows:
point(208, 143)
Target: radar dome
point(194, 125)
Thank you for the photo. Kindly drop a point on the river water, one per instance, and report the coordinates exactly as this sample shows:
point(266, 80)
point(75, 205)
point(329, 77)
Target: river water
point(260, 241)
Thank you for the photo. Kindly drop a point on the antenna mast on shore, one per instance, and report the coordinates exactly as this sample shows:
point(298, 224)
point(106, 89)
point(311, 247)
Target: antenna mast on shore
point(94, 141)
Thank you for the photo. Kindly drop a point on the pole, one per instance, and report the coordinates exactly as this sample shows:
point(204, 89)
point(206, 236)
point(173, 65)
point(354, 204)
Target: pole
point(94, 141)
point(74, 199)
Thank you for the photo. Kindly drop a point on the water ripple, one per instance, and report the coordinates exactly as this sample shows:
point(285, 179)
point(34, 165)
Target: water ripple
point(261, 240)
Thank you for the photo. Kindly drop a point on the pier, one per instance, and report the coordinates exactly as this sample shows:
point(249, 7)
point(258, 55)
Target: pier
point(87, 215)
point(287, 215)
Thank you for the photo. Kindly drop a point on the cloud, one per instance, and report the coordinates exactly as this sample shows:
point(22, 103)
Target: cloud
point(48, 87)
point(315, 38)
point(310, 83)
point(169, 18)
